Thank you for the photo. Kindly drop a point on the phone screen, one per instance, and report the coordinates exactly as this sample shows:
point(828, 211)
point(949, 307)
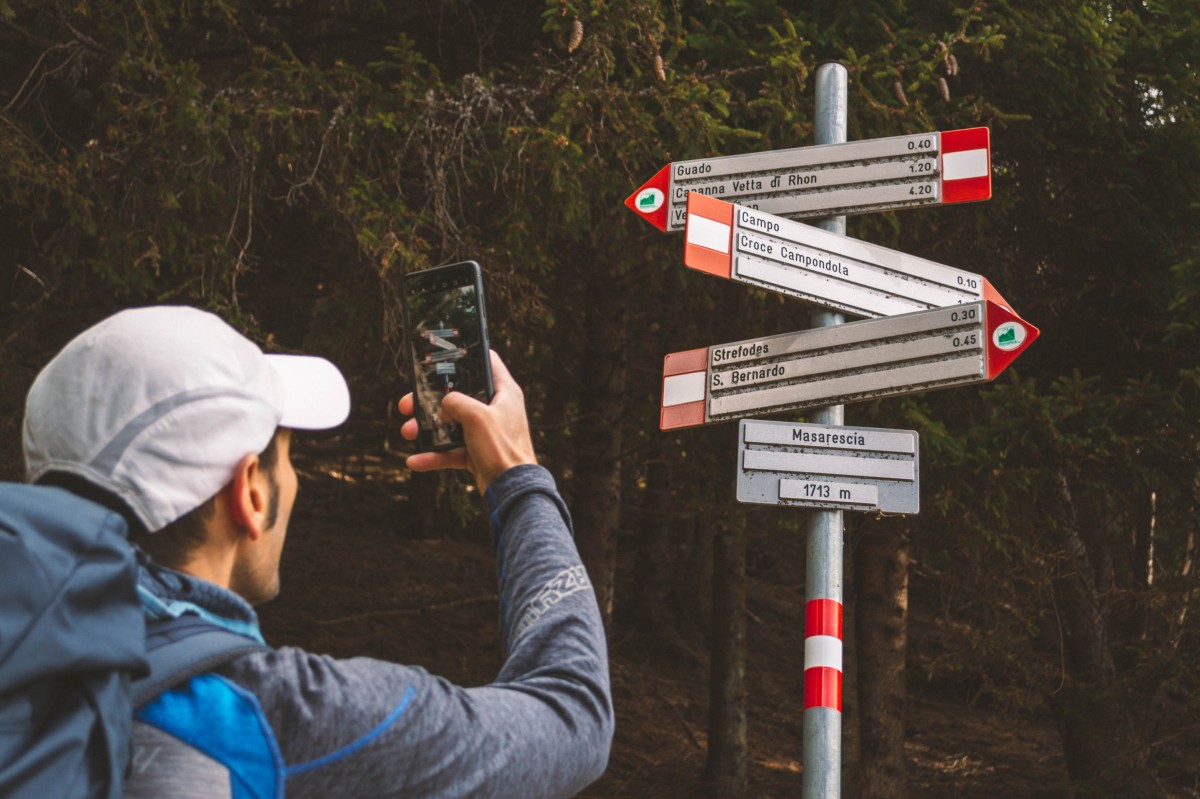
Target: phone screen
point(448, 342)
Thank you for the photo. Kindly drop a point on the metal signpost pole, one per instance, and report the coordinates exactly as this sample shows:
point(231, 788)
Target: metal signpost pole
point(823, 573)
point(930, 326)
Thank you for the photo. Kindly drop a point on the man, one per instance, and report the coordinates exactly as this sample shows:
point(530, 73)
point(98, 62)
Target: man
point(187, 425)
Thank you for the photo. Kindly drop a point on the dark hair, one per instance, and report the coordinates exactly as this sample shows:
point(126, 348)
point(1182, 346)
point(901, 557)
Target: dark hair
point(173, 545)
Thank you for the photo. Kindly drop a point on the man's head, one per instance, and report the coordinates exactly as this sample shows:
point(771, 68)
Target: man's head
point(260, 497)
point(166, 406)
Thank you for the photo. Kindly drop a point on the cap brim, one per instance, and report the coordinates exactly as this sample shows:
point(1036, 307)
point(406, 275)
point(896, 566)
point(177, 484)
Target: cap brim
point(315, 395)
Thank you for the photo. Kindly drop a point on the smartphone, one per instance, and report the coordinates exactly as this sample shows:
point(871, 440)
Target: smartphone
point(446, 325)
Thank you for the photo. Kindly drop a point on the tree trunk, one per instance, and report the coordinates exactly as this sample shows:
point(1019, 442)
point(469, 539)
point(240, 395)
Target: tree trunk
point(651, 565)
point(727, 672)
point(651, 609)
point(881, 576)
point(1102, 739)
point(597, 509)
point(556, 420)
point(1143, 541)
point(1188, 571)
point(690, 590)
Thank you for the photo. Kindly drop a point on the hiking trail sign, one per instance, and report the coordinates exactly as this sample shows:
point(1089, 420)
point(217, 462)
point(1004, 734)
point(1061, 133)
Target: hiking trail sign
point(828, 466)
point(906, 354)
point(854, 177)
point(824, 268)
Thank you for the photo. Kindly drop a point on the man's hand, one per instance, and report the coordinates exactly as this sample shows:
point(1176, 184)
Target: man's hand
point(497, 435)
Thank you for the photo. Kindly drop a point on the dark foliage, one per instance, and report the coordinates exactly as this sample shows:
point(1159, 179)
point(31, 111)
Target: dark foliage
point(283, 162)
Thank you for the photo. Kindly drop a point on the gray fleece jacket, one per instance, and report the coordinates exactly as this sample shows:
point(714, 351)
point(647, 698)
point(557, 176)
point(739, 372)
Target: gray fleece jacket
point(365, 728)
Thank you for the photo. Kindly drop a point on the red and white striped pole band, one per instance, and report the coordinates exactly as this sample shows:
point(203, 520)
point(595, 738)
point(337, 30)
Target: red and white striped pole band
point(823, 654)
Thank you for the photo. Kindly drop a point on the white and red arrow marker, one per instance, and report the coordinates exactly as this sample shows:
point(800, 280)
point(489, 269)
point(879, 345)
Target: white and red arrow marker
point(937, 168)
point(906, 354)
point(826, 269)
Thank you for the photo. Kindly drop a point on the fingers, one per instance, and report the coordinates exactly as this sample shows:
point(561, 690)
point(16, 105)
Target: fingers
point(501, 377)
point(502, 380)
point(497, 434)
point(458, 407)
point(429, 461)
point(435, 461)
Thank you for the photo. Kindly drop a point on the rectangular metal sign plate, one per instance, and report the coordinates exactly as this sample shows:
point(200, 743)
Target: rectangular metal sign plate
point(906, 354)
point(848, 178)
point(827, 366)
point(828, 466)
point(820, 267)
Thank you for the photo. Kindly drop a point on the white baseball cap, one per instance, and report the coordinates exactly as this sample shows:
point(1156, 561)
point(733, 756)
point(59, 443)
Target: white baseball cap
point(157, 405)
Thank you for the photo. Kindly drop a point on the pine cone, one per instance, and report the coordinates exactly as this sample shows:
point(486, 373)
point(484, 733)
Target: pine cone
point(576, 35)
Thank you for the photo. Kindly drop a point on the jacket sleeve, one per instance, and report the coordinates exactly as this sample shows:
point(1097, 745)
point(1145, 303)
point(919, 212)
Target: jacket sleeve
point(362, 727)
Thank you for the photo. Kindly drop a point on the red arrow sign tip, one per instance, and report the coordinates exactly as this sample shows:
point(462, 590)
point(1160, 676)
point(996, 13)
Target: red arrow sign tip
point(650, 201)
point(1008, 336)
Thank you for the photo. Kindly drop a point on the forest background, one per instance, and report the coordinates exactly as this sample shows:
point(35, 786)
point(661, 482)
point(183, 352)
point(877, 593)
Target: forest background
point(285, 162)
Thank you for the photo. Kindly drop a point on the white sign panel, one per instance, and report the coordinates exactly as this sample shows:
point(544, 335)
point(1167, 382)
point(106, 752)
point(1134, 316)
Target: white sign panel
point(905, 354)
point(815, 265)
point(830, 467)
point(853, 177)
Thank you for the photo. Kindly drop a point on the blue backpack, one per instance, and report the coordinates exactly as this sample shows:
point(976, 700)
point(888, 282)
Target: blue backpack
point(76, 656)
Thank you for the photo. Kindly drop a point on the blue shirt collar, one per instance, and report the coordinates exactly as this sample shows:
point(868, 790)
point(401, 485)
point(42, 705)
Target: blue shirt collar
point(166, 593)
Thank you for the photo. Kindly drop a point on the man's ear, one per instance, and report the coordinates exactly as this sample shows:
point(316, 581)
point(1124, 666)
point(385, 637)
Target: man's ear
point(247, 496)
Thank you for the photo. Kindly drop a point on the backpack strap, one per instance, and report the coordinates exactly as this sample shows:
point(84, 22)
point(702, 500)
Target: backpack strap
point(186, 647)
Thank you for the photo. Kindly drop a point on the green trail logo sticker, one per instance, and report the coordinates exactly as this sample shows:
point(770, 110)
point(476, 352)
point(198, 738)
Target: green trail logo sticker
point(649, 200)
point(1009, 336)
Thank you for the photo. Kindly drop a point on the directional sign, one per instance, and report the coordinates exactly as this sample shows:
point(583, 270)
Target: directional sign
point(828, 466)
point(856, 177)
point(905, 354)
point(824, 268)
point(455, 354)
point(438, 341)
